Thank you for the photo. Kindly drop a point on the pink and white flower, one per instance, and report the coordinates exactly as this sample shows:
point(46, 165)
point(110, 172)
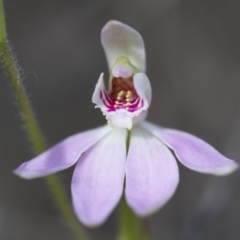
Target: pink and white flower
point(103, 161)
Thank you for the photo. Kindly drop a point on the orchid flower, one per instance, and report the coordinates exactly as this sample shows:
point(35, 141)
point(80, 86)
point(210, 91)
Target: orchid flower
point(128, 149)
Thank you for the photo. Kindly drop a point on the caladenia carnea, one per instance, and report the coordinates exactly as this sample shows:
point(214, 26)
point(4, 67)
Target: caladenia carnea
point(128, 149)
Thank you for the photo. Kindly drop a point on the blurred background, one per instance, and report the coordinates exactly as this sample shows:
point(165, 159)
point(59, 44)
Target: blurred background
point(193, 62)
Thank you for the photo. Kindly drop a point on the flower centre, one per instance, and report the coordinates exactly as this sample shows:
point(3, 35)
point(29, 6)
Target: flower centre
point(123, 92)
point(121, 96)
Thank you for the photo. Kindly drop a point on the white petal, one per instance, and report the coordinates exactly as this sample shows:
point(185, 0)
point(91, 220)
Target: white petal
point(96, 97)
point(120, 119)
point(143, 88)
point(119, 39)
point(193, 152)
point(62, 155)
point(151, 173)
point(97, 182)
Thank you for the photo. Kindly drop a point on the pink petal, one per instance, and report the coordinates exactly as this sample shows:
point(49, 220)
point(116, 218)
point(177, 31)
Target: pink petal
point(97, 182)
point(119, 39)
point(151, 173)
point(193, 152)
point(62, 155)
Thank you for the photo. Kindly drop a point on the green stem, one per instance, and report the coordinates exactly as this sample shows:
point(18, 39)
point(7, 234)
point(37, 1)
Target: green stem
point(65, 208)
point(130, 226)
point(33, 129)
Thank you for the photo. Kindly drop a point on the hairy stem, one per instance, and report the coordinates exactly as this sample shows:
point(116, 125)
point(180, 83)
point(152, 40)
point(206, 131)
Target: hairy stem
point(33, 130)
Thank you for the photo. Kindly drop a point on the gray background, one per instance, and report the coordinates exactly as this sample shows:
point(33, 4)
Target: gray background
point(193, 56)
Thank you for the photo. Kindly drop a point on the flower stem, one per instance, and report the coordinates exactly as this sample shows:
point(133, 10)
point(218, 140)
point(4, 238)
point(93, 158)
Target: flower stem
point(130, 226)
point(33, 129)
point(65, 208)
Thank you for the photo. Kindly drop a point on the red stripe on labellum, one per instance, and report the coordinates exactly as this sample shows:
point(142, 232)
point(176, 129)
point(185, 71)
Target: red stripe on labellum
point(121, 96)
